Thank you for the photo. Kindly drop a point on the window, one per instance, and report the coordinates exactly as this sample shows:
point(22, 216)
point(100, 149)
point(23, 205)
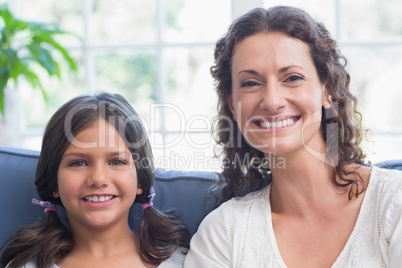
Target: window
point(157, 54)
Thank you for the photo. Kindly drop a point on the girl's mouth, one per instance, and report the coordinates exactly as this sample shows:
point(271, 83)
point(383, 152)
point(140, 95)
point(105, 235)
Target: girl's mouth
point(98, 198)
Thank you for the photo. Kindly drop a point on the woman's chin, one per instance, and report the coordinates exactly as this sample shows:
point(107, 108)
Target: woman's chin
point(277, 146)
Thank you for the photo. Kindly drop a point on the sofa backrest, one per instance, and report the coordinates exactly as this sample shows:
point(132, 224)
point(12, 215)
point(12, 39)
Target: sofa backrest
point(390, 164)
point(188, 192)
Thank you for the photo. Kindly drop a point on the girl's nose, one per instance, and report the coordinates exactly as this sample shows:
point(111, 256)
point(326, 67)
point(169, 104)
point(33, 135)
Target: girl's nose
point(98, 176)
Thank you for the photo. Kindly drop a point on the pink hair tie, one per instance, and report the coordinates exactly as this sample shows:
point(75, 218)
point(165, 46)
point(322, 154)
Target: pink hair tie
point(151, 197)
point(47, 205)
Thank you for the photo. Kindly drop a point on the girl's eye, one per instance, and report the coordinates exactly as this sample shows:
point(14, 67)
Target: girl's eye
point(294, 77)
point(249, 84)
point(77, 164)
point(117, 162)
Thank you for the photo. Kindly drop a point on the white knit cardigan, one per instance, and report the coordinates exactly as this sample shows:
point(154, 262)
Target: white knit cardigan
point(239, 233)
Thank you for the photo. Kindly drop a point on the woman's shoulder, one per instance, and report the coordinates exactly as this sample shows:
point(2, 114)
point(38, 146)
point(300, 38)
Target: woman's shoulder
point(388, 196)
point(176, 260)
point(385, 190)
point(237, 205)
point(234, 213)
point(387, 181)
point(224, 230)
point(251, 199)
point(386, 186)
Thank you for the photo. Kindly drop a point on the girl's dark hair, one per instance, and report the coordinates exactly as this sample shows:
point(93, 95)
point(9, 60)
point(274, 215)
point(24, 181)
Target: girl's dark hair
point(245, 169)
point(50, 241)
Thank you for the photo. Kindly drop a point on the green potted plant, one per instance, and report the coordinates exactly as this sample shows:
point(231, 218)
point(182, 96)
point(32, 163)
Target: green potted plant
point(23, 45)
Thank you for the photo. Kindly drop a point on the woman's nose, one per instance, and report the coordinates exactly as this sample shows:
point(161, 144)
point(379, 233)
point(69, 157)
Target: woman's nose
point(272, 98)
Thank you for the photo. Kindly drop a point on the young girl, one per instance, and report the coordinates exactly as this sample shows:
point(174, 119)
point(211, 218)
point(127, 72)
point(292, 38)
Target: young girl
point(290, 135)
point(96, 162)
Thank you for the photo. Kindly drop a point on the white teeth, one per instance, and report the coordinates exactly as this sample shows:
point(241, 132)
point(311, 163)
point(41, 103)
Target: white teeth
point(265, 124)
point(290, 122)
point(283, 123)
point(96, 199)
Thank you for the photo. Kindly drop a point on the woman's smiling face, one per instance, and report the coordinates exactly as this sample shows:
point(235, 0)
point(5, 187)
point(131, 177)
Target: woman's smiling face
point(276, 93)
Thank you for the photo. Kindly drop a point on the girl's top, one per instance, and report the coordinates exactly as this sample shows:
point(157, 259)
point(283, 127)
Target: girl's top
point(175, 261)
point(240, 234)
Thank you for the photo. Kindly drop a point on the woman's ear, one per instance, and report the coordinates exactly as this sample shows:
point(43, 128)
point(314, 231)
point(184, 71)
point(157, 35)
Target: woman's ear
point(232, 107)
point(326, 99)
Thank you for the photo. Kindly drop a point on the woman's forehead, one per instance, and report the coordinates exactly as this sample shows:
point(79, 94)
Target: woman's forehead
point(274, 48)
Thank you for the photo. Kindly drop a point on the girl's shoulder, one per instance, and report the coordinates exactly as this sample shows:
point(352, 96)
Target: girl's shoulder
point(176, 260)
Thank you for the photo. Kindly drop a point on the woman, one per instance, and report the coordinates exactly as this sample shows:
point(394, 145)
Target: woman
point(290, 134)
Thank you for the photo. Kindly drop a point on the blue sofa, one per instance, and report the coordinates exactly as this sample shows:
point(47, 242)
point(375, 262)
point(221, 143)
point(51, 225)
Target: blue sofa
point(185, 191)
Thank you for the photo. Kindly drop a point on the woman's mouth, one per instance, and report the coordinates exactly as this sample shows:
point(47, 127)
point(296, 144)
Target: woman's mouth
point(275, 123)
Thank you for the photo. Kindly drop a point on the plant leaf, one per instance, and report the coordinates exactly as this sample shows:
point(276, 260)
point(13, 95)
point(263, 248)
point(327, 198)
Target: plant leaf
point(45, 59)
point(6, 15)
point(35, 38)
point(2, 108)
point(33, 79)
point(3, 83)
point(12, 63)
point(44, 37)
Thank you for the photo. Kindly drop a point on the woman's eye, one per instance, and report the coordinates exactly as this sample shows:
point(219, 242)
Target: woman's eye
point(293, 78)
point(117, 162)
point(249, 84)
point(77, 164)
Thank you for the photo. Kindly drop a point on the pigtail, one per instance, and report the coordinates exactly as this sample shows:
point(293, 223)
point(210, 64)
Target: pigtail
point(45, 242)
point(161, 233)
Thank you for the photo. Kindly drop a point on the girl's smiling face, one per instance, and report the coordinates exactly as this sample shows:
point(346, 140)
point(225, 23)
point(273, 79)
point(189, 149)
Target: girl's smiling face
point(276, 93)
point(97, 185)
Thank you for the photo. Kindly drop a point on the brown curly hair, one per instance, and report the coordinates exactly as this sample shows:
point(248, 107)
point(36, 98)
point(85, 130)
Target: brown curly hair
point(246, 169)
